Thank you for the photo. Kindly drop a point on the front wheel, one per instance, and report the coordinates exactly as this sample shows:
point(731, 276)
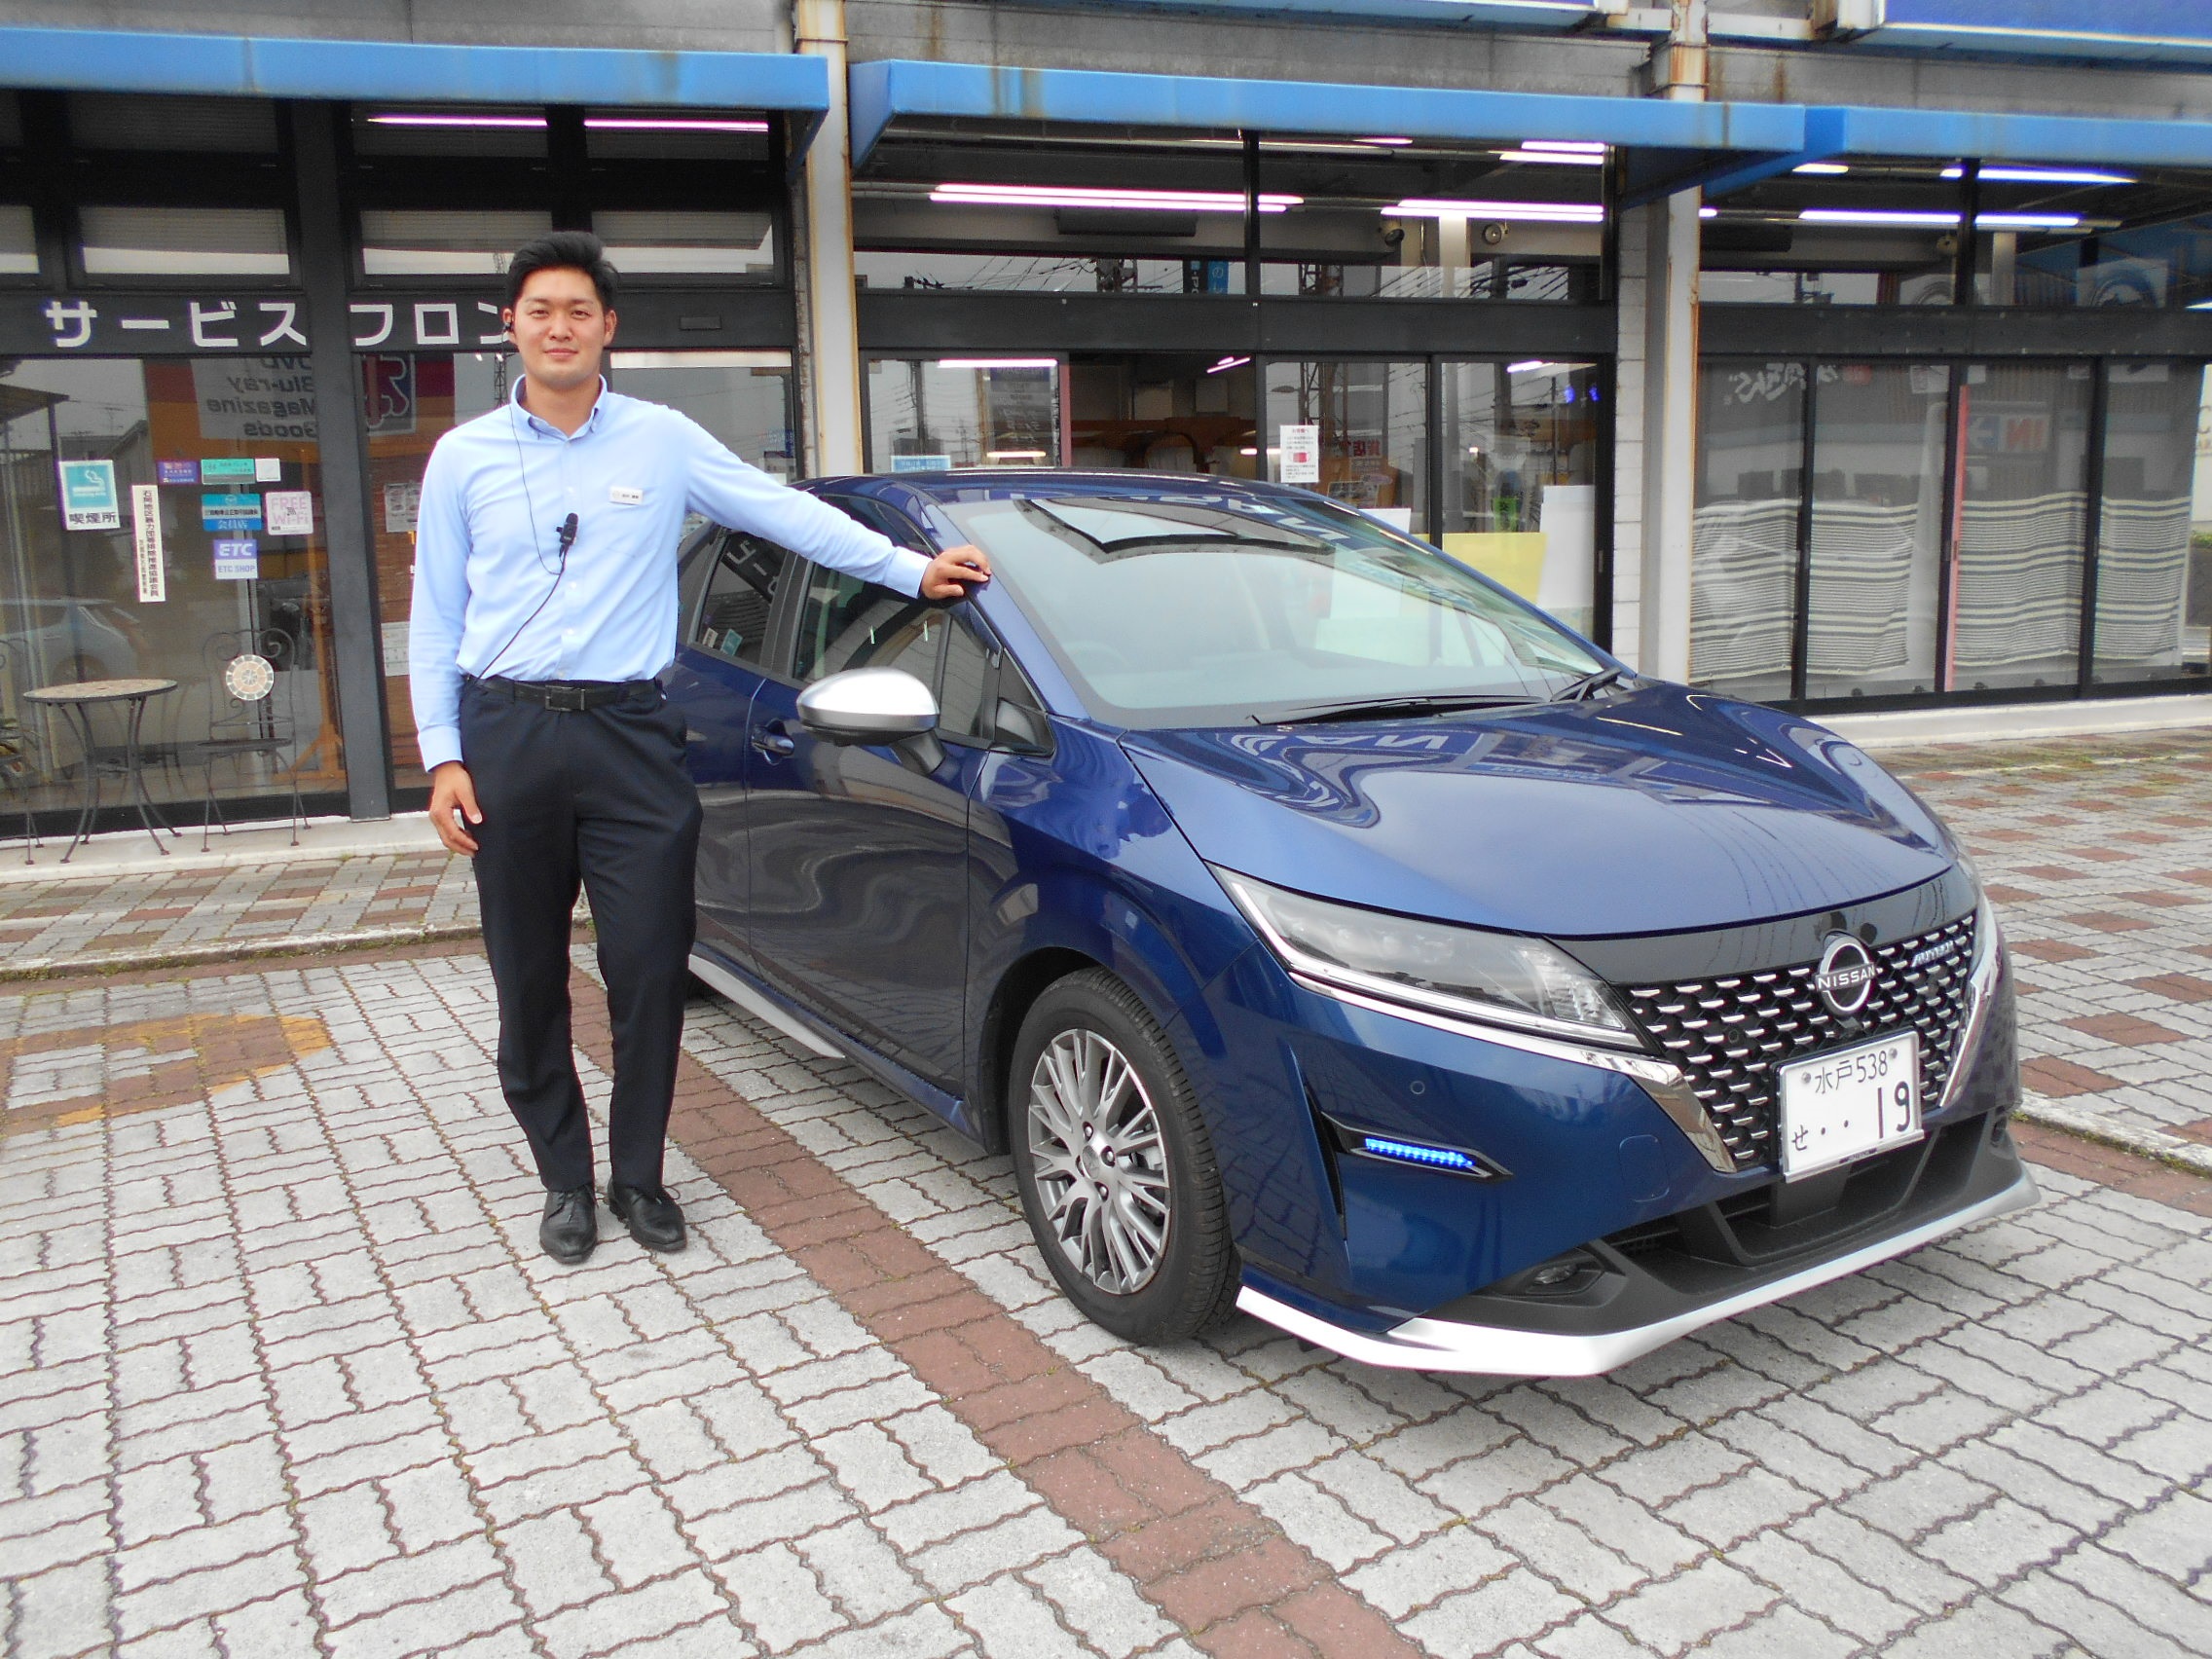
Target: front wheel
point(1116, 1169)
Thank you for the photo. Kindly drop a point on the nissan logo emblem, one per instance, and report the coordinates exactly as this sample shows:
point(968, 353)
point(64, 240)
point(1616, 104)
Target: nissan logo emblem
point(1845, 977)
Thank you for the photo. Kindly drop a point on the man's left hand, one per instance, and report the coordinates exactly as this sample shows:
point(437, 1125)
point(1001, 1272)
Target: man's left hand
point(955, 574)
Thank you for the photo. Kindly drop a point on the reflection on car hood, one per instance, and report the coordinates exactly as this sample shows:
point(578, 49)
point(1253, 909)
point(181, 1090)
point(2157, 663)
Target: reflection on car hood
point(1661, 811)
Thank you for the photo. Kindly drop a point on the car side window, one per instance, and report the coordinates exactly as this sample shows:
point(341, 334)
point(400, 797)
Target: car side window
point(846, 623)
point(967, 682)
point(740, 599)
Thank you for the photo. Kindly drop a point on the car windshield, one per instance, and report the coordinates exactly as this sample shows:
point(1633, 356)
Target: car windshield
point(1215, 610)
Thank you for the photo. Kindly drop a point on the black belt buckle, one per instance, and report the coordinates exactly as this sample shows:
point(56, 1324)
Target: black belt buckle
point(567, 699)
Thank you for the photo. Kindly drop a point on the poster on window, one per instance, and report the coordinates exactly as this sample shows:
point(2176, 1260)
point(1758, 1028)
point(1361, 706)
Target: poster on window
point(291, 512)
point(87, 496)
point(1300, 455)
point(146, 543)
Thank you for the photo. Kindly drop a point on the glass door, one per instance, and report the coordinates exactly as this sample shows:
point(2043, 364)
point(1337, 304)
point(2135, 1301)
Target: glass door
point(1357, 430)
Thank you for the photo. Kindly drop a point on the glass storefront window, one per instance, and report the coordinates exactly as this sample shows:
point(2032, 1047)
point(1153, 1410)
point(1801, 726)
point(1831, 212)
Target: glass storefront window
point(1793, 288)
point(1046, 274)
point(1877, 509)
point(1163, 412)
point(412, 241)
point(1519, 502)
point(1373, 428)
point(167, 448)
point(1386, 219)
point(163, 125)
point(2153, 616)
point(739, 247)
point(1139, 218)
point(928, 415)
point(2023, 509)
point(183, 241)
point(18, 241)
point(1751, 466)
point(742, 397)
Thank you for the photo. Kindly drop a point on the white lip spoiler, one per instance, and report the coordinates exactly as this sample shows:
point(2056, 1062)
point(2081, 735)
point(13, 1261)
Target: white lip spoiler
point(1440, 1345)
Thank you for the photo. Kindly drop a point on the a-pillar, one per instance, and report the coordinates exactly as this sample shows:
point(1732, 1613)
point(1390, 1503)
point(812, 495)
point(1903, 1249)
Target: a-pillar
point(830, 334)
point(1655, 436)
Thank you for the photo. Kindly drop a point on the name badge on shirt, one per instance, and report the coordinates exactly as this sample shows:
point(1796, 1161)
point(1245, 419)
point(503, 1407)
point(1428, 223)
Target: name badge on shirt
point(623, 496)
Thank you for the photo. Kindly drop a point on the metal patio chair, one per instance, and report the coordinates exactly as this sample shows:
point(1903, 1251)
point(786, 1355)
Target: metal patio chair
point(250, 702)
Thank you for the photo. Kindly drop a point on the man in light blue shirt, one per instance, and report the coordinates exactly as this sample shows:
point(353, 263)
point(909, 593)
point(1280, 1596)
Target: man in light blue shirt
point(545, 603)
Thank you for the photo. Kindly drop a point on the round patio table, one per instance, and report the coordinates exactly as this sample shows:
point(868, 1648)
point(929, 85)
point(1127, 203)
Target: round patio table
point(78, 700)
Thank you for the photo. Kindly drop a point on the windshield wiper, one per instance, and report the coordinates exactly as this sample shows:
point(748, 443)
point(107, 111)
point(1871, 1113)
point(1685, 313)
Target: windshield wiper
point(1390, 708)
point(1589, 685)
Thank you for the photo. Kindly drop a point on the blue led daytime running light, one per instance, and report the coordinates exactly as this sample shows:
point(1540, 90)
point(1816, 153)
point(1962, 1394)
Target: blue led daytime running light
point(1410, 1152)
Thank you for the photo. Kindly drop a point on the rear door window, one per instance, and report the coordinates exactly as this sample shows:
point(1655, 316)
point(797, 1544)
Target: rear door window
point(740, 600)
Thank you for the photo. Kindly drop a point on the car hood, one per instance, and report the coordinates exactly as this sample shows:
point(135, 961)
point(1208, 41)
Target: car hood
point(1661, 811)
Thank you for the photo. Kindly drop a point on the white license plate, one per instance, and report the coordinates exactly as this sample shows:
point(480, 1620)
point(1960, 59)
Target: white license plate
point(1844, 1105)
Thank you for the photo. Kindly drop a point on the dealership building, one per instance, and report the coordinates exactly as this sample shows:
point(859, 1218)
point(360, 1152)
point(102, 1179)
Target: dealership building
point(1845, 354)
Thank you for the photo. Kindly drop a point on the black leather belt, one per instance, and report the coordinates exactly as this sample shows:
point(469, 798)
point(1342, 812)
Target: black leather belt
point(566, 696)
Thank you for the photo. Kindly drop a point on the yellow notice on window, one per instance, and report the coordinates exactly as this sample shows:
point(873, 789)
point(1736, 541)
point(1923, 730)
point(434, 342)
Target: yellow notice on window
point(146, 542)
point(1513, 557)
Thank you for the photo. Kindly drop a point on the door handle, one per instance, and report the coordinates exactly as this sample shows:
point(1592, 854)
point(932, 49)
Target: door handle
point(771, 741)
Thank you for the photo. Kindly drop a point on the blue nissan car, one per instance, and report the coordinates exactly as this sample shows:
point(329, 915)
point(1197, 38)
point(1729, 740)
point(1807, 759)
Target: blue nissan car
point(1326, 933)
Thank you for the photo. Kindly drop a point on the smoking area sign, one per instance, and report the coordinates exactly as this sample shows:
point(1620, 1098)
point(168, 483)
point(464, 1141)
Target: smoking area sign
point(87, 496)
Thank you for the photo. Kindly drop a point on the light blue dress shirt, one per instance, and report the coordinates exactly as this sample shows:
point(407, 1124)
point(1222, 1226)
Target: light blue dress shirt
point(487, 548)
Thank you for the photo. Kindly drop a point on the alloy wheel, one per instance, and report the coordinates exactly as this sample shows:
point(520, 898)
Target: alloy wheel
point(1100, 1164)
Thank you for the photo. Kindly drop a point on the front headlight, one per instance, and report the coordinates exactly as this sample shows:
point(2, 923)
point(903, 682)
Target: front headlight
point(1496, 978)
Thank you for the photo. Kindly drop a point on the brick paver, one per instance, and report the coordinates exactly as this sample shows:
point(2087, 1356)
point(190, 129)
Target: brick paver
point(281, 1370)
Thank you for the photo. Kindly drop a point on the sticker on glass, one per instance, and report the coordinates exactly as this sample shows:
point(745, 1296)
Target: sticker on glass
point(87, 496)
point(1301, 454)
point(146, 543)
point(291, 512)
point(237, 558)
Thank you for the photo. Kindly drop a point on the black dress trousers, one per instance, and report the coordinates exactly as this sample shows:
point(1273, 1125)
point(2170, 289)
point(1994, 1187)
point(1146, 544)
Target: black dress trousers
point(598, 795)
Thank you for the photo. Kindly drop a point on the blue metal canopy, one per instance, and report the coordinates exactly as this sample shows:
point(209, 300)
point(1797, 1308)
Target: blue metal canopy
point(1857, 129)
point(2137, 31)
point(254, 66)
point(885, 90)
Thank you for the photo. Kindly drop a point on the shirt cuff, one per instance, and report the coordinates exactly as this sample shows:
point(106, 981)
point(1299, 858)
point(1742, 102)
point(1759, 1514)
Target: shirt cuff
point(911, 568)
point(438, 744)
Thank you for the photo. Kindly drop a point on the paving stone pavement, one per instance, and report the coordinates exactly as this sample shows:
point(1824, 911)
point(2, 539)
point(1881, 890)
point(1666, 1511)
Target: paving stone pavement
point(152, 913)
point(2099, 856)
point(281, 1370)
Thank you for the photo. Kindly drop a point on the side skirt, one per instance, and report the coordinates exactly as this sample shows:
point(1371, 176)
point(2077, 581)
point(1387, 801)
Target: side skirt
point(804, 1028)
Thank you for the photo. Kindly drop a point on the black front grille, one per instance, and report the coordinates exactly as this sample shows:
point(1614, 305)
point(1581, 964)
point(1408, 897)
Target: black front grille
point(1729, 1032)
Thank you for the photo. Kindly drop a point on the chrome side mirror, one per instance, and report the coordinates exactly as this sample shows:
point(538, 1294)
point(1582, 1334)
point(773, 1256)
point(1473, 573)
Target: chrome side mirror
point(868, 705)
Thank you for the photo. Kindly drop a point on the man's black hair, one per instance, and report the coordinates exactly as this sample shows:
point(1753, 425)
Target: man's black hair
point(563, 250)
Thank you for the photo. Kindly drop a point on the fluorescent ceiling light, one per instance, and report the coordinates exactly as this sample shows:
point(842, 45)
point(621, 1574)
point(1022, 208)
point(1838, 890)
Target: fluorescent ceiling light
point(1227, 363)
point(1129, 200)
point(2201, 304)
point(669, 124)
point(456, 121)
point(1910, 220)
point(2042, 175)
point(1708, 213)
point(1822, 167)
point(1557, 158)
point(1528, 367)
point(1016, 454)
point(1550, 212)
point(1583, 146)
point(997, 362)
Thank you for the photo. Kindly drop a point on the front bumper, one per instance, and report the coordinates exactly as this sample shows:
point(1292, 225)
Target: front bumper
point(1644, 1299)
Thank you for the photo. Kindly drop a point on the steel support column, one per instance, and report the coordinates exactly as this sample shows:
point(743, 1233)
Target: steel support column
point(833, 356)
point(356, 638)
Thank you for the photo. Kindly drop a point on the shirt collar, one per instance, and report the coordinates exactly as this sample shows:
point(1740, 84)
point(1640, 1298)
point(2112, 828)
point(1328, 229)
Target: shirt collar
point(546, 427)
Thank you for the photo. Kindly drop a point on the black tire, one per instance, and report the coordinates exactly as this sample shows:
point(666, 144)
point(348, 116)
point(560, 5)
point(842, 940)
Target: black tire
point(1192, 1279)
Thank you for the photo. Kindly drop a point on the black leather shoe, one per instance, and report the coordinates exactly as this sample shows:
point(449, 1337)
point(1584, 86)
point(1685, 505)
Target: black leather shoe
point(571, 1226)
point(651, 1214)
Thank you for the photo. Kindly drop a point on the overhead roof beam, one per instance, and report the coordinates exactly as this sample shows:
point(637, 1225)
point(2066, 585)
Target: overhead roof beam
point(131, 61)
point(888, 89)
